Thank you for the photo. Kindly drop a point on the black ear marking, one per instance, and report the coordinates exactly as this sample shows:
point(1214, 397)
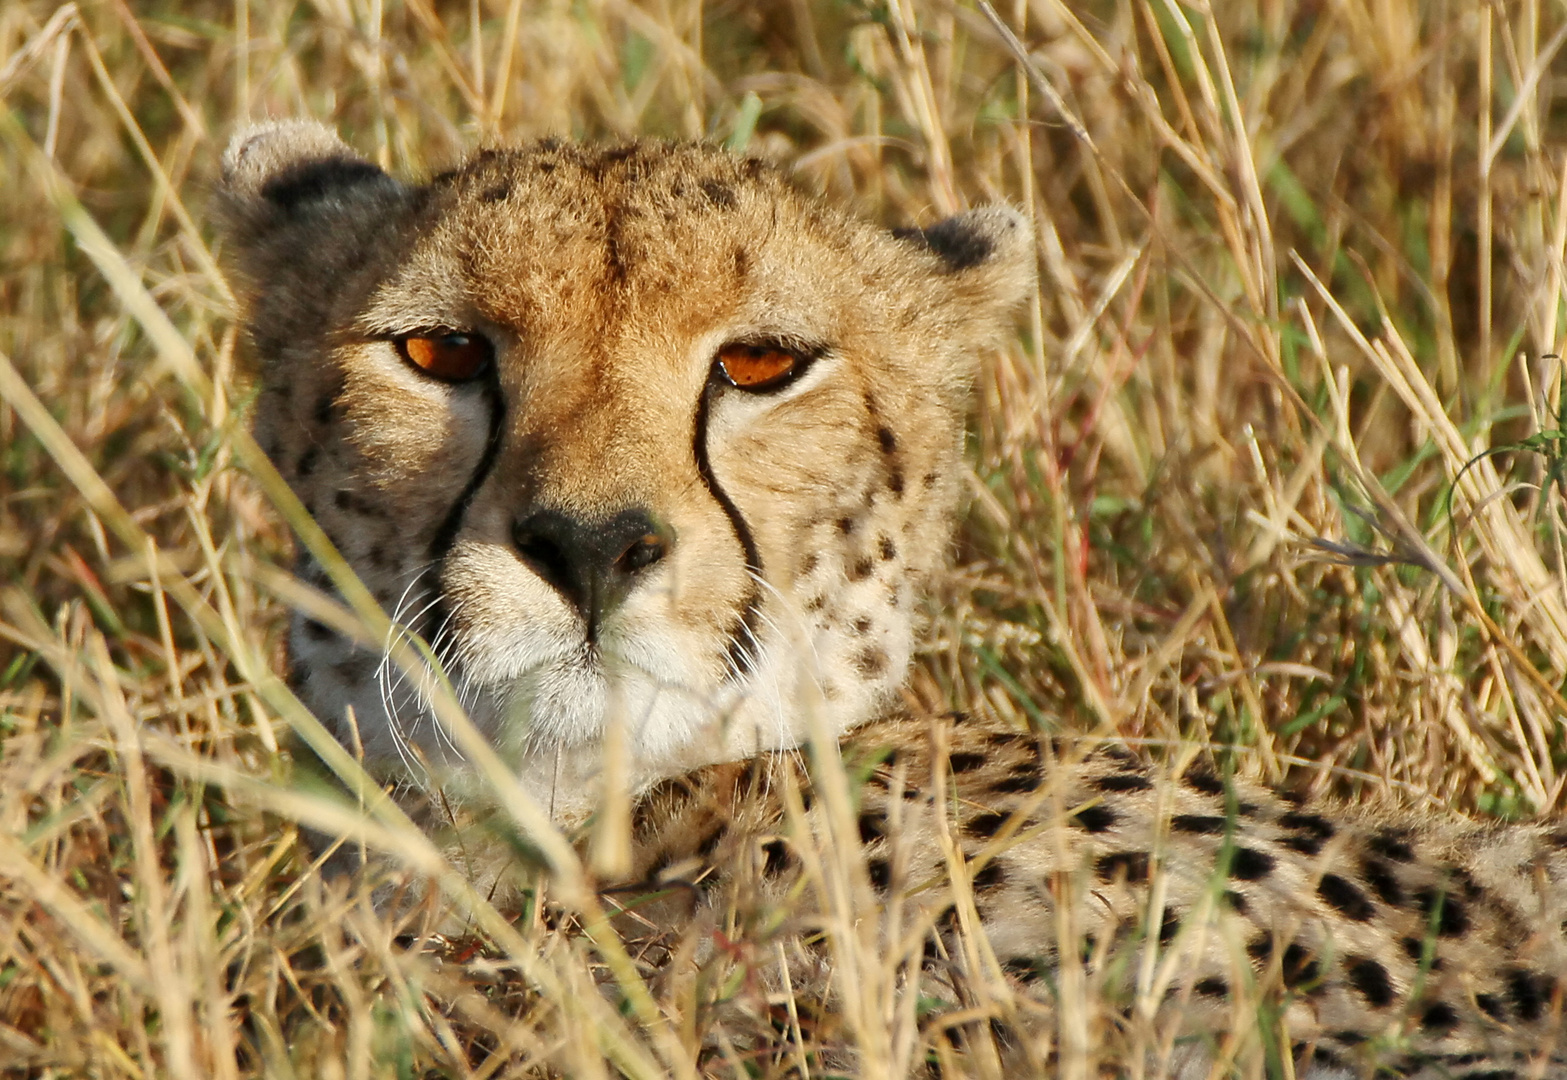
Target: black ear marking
point(315, 180)
point(289, 164)
point(956, 241)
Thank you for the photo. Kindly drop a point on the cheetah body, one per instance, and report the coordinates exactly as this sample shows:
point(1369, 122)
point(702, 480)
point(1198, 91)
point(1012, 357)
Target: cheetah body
point(790, 534)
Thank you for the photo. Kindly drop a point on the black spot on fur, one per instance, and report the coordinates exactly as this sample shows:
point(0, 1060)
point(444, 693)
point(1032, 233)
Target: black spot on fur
point(1201, 824)
point(990, 875)
point(1383, 882)
point(1248, 864)
point(871, 663)
point(985, 826)
point(954, 241)
point(895, 481)
point(862, 625)
point(1471, 889)
point(315, 180)
point(1492, 1006)
point(873, 826)
point(1096, 819)
point(880, 871)
point(1314, 824)
point(1133, 864)
point(1300, 966)
point(861, 569)
point(1306, 845)
point(1169, 926)
point(1530, 992)
point(1451, 920)
point(1311, 1054)
point(846, 525)
point(888, 441)
point(1439, 1018)
point(1371, 980)
point(1204, 781)
point(308, 461)
point(1212, 986)
point(777, 857)
point(496, 192)
point(1020, 782)
point(1123, 782)
point(1345, 898)
point(719, 194)
point(1390, 845)
point(1415, 949)
point(965, 762)
point(887, 549)
point(1236, 901)
point(317, 631)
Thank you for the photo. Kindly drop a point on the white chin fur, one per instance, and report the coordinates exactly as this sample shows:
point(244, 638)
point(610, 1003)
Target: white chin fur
point(545, 698)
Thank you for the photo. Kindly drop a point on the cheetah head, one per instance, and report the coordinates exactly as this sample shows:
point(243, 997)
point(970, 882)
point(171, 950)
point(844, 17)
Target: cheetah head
point(634, 432)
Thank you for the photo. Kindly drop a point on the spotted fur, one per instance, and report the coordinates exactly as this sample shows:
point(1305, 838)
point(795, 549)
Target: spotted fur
point(793, 533)
point(1381, 939)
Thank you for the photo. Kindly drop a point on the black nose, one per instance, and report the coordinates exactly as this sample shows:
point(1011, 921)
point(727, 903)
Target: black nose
point(593, 564)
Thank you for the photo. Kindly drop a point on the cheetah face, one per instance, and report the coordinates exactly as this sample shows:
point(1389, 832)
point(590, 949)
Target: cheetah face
point(635, 434)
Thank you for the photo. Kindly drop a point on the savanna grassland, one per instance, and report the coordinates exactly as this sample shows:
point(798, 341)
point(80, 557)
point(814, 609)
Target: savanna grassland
point(1276, 464)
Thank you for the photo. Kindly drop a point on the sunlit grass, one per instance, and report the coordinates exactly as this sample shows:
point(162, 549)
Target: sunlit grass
point(1302, 278)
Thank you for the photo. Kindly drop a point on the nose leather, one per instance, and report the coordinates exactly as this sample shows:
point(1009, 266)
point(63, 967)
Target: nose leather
point(593, 564)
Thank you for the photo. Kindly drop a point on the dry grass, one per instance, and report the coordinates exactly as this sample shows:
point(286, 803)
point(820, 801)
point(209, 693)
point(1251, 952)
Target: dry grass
point(1300, 267)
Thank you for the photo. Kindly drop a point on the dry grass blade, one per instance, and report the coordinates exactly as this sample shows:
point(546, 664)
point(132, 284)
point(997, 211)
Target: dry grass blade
point(1189, 406)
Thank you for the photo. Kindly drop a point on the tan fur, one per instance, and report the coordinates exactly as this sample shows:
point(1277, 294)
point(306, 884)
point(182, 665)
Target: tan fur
point(608, 279)
point(1428, 947)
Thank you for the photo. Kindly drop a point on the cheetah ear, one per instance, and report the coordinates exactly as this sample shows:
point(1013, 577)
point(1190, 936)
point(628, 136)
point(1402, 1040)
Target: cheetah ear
point(290, 164)
point(288, 183)
point(306, 224)
point(981, 264)
point(298, 209)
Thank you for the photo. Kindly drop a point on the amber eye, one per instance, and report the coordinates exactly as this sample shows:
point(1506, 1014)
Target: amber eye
point(758, 367)
point(451, 356)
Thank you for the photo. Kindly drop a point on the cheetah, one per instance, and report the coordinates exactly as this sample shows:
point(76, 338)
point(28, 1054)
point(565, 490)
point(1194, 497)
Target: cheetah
point(643, 441)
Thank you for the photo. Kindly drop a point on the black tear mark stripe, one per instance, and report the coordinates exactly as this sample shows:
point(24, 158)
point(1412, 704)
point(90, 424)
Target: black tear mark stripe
point(743, 642)
point(441, 542)
point(446, 534)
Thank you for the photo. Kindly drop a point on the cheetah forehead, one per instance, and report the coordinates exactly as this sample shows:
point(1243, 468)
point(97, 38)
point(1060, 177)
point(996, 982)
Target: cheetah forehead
point(557, 235)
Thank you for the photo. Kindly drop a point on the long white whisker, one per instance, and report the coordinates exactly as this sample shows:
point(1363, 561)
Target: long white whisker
point(389, 685)
point(436, 643)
